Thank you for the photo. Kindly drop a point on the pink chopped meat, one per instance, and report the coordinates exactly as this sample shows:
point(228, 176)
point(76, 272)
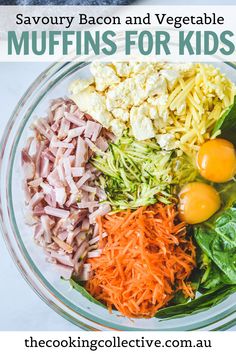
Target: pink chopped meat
point(60, 185)
point(59, 213)
point(81, 156)
point(27, 164)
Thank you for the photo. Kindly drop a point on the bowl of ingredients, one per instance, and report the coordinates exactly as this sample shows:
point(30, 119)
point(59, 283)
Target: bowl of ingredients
point(118, 193)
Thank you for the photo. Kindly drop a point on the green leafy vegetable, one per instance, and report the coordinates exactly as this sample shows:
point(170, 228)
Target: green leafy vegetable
point(217, 238)
point(137, 173)
point(212, 276)
point(203, 302)
point(227, 123)
point(80, 288)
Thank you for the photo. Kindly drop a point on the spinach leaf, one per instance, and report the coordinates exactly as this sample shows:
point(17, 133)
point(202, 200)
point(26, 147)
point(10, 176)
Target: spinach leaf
point(227, 123)
point(213, 277)
point(203, 302)
point(84, 292)
point(217, 238)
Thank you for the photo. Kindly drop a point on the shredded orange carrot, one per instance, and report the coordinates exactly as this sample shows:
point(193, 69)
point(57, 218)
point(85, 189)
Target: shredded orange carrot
point(145, 259)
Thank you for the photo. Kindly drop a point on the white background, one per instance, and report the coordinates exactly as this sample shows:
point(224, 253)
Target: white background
point(20, 307)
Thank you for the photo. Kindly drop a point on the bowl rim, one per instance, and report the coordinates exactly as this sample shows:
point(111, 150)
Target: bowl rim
point(39, 88)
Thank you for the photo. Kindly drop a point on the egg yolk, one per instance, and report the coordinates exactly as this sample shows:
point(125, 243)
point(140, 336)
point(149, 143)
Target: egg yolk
point(216, 160)
point(197, 202)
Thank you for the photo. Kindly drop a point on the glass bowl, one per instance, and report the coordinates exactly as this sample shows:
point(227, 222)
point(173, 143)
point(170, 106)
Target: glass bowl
point(44, 277)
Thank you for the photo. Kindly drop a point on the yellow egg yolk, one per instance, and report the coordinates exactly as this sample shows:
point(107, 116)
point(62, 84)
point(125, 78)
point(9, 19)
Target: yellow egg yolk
point(216, 160)
point(197, 202)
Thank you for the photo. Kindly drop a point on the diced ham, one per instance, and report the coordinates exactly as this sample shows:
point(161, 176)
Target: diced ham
point(60, 188)
point(81, 155)
point(59, 213)
point(27, 164)
point(36, 199)
point(61, 196)
point(45, 167)
point(35, 183)
point(102, 143)
point(84, 179)
point(75, 120)
point(77, 171)
point(102, 210)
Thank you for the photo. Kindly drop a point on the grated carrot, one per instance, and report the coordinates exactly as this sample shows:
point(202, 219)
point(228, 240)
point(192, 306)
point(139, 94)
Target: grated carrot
point(145, 260)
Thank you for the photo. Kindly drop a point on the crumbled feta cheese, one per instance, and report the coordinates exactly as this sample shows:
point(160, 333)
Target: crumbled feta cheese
point(141, 125)
point(80, 85)
point(104, 75)
point(91, 102)
point(167, 141)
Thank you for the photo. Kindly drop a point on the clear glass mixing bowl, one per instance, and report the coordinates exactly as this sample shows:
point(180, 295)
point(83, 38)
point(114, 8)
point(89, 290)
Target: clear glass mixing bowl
point(44, 277)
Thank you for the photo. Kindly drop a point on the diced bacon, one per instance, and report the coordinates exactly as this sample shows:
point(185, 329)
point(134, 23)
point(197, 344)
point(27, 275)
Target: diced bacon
point(53, 179)
point(67, 248)
point(67, 166)
point(61, 144)
point(35, 183)
point(77, 171)
point(85, 225)
point(28, 165)
point(81, 155)
point(93, 147)
point(45, 131)
point(59, 213)
point(81, 252)
point(102, 210)
point(26, 191)
point(38, 210)
point(72, 199)
point(101, 194)
point(60, 195)
point(65, 259)
point(45, 221)
point(89, 189)
point(51, 198)
point(84, 205)
point(63, 235)
point(84, 179)
point(74, 119)
point(101, 143)
point(57, 176)
point(38, 155)
point(94, 254)
point(48, 154)
point(95, 230)
point(78, 113)
point(92, 128)
point(36, 199)
point(72, 185)
point(84, 274)
point(38, 231)
point(59, 113)
point(45, 167)
point(64, 128)
point(55, 126)
point(97, 238)
point(68, 152)
point(55, 104)
point(74, 133)
point(61, 172)
point(46, 188)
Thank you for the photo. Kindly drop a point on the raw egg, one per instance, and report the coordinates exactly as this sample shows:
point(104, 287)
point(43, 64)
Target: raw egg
point(216, 160)
point(197, 202)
